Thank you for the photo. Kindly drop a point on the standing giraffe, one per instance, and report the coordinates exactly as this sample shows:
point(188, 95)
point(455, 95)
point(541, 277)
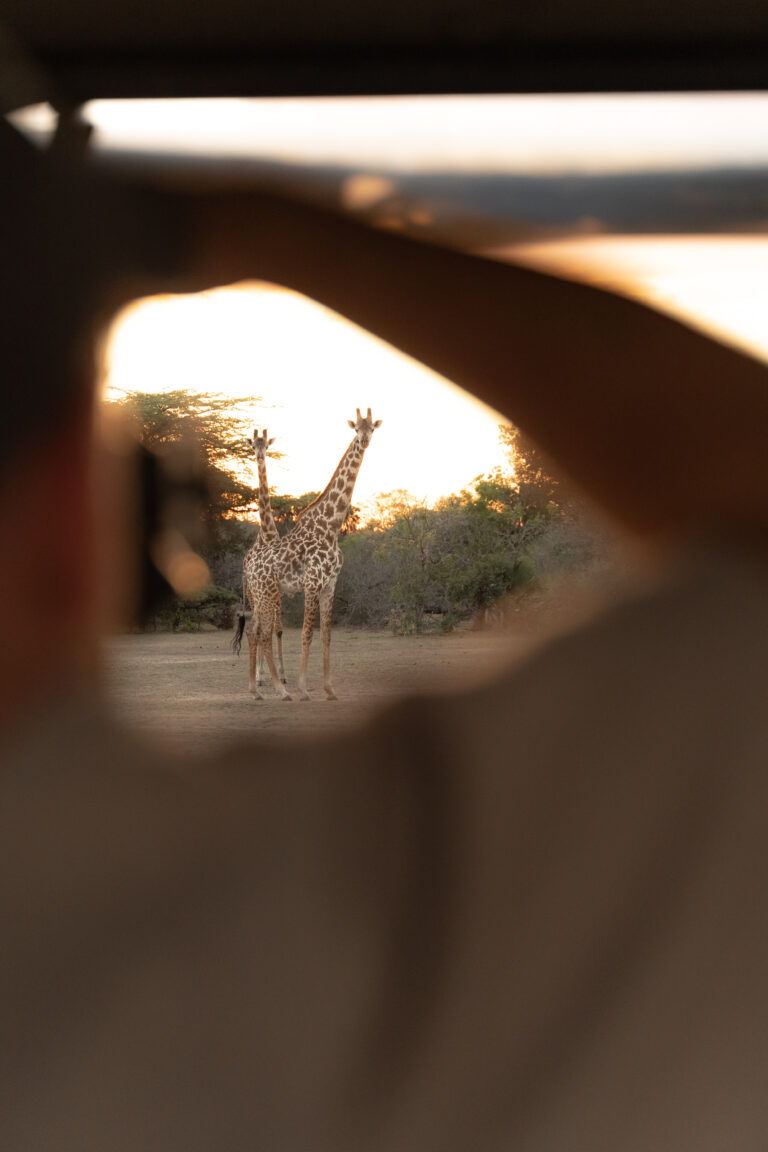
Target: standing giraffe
point(308, 558)
point(267, 527)
point(267, 534)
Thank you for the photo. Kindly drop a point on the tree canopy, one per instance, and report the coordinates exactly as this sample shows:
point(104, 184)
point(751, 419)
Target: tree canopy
point(209, 420)
point(406, 565)
point(534, 474)
point(412, 563)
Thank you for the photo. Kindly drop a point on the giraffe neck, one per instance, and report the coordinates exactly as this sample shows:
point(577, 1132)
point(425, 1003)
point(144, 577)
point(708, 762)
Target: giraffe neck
point(332, 505)
point(267, 526)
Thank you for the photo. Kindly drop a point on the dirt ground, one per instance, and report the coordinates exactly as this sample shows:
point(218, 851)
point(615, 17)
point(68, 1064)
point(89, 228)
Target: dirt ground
point(189, 691)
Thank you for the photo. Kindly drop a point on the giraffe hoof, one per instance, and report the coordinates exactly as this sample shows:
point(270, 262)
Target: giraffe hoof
point(331, 695)
point(305, 696)
point(286, 696)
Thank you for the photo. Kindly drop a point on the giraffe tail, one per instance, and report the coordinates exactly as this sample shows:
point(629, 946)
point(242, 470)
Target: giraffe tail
point(237, 639)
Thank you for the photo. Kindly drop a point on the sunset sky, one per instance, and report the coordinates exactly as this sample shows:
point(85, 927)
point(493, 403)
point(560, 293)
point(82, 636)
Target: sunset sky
point(521, 133)
point(313, 369)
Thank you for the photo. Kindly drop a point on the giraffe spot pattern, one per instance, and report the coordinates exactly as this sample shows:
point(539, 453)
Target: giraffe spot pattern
point(308, 556)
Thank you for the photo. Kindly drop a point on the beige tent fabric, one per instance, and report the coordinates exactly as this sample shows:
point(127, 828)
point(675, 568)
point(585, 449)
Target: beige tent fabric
point(530, 918)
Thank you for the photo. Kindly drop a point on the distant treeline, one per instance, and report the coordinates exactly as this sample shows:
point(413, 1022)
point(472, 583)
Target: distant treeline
point(412, 567)
point(409, 568)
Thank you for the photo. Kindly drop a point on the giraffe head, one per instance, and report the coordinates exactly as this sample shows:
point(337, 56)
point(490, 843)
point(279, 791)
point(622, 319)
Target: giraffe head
point(364, 427)
point(260, 443)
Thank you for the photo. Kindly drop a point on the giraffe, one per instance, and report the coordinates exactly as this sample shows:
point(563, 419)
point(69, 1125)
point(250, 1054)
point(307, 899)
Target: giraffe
point(267, 527)
point(268, 534)
point(308, 558)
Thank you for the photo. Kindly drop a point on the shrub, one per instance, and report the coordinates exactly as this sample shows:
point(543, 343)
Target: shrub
point(212, 606)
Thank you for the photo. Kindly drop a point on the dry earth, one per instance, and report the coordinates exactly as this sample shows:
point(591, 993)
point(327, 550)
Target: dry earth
point(190, 692)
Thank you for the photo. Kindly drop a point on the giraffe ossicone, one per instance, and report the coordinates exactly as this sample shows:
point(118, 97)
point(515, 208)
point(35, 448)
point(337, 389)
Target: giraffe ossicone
point(308, 559)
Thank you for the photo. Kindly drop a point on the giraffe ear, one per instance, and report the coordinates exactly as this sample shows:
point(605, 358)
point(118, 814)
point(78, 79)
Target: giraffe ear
point(271, 441)
point(351, 423)
point(377, 424)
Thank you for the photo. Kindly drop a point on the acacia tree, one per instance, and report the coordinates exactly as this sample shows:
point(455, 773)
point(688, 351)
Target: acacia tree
point(197, 473)
point(207, 420)
point(569, 539)
point(287, 509)
point(534, 476)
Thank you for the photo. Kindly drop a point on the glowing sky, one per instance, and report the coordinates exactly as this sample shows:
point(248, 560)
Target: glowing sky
point(716, 283)
point(313, 368)
point(542, 133)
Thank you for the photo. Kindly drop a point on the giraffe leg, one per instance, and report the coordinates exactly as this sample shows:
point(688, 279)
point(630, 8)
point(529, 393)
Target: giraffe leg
point(279, 634)
point(260, 668)
point(310, 609)
point(253, 654)
point(264, 635)
point(257, 661)
point(326, 608)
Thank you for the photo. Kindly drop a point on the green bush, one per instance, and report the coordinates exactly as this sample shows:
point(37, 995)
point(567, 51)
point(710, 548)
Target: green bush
point(414, 568)
point(212, 606)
